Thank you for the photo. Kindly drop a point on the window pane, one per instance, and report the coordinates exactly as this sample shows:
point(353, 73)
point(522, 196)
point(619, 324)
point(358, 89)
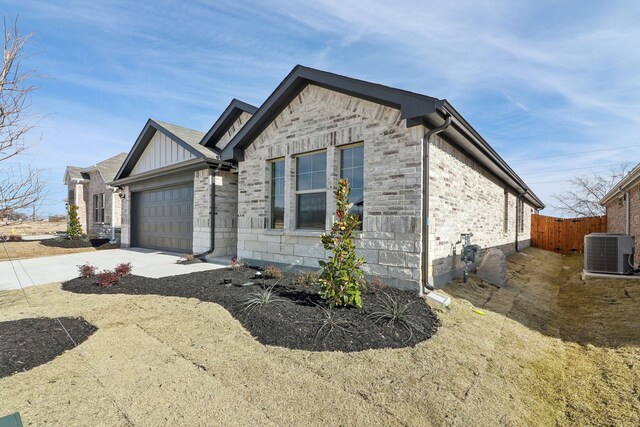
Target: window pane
point(319, 161)
point(304, 164)
point(319, 180)
point(277, 194)
point(352, 169)
point(358, 156)
point(304, 181)
point(358, 177)
point(347, 158)
point(277, 212)
point(311, 211)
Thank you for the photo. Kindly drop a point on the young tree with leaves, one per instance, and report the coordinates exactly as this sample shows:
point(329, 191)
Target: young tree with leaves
point(74, 228)
point(342, 276)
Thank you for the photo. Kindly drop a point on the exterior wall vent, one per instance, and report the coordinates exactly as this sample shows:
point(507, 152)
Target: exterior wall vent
point(608, 253)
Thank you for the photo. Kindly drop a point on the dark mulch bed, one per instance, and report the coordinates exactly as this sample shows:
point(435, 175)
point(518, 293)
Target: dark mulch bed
point(27, 343)
point(297, 322)
point(99, 244)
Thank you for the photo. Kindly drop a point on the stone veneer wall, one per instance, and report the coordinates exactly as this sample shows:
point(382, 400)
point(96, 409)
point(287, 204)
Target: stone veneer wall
point(617, 217)
point(466, 198)
point(320, 119)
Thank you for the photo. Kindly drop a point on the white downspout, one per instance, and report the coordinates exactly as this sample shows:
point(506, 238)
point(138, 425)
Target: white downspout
point(113, 215)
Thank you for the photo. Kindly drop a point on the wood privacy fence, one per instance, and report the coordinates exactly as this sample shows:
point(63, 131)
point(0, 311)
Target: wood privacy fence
point(564, 234)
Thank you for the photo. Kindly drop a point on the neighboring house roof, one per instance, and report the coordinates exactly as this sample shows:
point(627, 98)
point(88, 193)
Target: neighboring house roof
point(75, 172)
point(189, 139)
point(630, 180)
point(417, 109)
point(107, 169)
point(228, 117)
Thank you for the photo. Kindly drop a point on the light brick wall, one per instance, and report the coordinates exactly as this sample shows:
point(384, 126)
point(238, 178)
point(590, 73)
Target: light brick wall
point(79, 193)
point(233, 129)
point(95, 186)
point(466, 198)
point(201, 211)
point(617, 217)
point(226, 211)
point(125, 223)
point(226, 214)
point(319, 119)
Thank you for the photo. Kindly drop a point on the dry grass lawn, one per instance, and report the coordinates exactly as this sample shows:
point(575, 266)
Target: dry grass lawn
point(31, 228)
point(550, 350)
point(23, 250)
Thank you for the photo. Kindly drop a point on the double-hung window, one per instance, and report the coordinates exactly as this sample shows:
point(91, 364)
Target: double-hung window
point(98, 207)
point(277, 194)
point(352, 169)
point(311, 191)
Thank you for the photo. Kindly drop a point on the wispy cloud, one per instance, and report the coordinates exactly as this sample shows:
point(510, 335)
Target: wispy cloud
point(533, 77)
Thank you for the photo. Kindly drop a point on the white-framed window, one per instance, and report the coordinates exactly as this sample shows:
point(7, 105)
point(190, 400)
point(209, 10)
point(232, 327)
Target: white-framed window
point(98, 207)
point(311, 191)
point(352, 169)
point(276, 220)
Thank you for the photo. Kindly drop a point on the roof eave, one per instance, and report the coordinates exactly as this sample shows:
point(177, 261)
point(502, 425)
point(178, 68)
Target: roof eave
point(630, 180)
point(411, 105)
point(228, 116)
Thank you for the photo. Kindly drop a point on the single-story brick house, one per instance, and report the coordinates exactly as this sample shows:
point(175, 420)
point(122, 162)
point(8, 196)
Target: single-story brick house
point(276, 167)
point(623, 206)
point(98, 204)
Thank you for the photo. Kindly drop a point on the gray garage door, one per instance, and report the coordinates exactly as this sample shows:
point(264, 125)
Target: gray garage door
point(163, 219)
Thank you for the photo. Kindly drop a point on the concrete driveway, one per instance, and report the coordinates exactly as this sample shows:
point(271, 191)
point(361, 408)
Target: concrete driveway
point(59, 268)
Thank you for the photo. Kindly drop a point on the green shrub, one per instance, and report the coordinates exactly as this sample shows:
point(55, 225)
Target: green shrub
point(260, 298)
point(74, 229)
point(342, 276)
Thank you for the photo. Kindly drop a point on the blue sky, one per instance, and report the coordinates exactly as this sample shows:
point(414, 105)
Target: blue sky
point(536, 79)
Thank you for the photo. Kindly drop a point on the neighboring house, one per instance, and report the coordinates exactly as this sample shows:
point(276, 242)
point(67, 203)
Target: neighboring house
point(99, 205)
point(276, 168)
point(623, 206)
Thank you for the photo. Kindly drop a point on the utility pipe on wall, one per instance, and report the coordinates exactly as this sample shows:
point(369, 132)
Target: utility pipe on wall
point(426, 140)
point(627, 197)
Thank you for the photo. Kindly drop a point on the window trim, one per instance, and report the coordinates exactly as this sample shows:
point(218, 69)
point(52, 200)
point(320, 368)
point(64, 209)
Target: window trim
point(272, 162)
point(297, 192)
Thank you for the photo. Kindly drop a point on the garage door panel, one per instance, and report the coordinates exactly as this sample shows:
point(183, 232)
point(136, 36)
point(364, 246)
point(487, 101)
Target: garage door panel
point(163, 219)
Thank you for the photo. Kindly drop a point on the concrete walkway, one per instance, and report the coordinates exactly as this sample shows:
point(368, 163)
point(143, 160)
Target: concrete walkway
point(145, 262)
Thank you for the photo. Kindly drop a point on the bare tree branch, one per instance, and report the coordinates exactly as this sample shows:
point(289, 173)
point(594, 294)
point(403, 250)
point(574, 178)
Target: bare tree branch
point(587, 190)
point(19, 188)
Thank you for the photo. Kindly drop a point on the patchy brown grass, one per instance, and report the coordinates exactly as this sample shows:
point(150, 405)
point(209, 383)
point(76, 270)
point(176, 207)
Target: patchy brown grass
point(31, 228)
point(162, 361)
point(23, 250)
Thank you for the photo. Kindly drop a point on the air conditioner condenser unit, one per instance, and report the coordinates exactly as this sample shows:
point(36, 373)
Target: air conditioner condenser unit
point(608, 253)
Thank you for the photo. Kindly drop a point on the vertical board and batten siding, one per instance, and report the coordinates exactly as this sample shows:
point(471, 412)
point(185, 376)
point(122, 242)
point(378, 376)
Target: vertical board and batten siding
point(161, 151)
point(564, 235)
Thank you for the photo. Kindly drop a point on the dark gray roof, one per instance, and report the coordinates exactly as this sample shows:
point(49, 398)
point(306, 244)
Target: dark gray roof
point(415, 108)
point(189, 139)
point(230, 115)
point(411, 105)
